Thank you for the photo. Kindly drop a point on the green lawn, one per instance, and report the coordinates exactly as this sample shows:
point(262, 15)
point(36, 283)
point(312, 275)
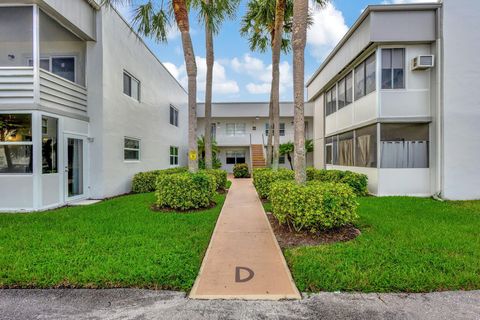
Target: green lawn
point(407, 245)
point(116, 243)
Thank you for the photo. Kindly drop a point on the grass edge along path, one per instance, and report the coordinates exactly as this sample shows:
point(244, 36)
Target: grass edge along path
point(115, 243)
point(407, 245)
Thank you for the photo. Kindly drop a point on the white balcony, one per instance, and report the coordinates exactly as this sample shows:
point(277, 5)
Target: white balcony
point(17, 87)
point(233, 141)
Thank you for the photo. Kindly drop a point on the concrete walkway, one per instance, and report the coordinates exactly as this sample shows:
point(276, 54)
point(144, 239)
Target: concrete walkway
point(126, 304)
point(243, 260)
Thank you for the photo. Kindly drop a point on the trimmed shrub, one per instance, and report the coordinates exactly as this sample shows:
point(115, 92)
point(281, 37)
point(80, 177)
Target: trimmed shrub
point(144, 182)
point(314, 206)
point(263, 179)
point(240, 170)
point(357, 181)
point(185, 191)
point(220, 177)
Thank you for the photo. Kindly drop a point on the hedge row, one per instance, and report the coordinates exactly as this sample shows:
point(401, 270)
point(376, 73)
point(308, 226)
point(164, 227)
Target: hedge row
point(357, 181)
point(185, 191)
point(313, 206)
point(147, 181)
point(220, 177)
point(240, 170)
point(264, 177)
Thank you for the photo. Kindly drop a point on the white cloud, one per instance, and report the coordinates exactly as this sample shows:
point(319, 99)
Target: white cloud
point(262, 74)
point(221, 83)
point(327, 30)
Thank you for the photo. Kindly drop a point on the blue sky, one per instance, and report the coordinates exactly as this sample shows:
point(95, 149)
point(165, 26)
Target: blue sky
point(242, 75)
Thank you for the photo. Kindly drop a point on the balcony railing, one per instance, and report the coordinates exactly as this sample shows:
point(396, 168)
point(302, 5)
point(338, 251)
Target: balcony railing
point(233, 141)
point(17, 86)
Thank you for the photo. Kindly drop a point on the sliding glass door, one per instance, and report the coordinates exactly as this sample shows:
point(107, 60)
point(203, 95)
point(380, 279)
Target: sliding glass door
point(75, 159)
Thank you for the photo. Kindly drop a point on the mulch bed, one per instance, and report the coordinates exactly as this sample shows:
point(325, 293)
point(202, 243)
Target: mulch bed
point(159, 209)
point(290, 238)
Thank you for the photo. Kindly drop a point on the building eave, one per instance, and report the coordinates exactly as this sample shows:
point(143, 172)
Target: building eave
point(363, 16)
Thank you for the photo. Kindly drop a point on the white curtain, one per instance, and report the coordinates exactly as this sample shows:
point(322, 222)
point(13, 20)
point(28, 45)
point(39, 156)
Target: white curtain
point(364, 156)
point(404, 154)
point(346, 152)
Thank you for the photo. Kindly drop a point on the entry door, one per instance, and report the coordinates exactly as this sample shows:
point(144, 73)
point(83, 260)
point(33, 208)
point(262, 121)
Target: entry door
point(75, 158)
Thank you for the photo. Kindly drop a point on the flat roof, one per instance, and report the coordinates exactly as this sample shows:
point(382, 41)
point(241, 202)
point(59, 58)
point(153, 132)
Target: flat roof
point(363, 16)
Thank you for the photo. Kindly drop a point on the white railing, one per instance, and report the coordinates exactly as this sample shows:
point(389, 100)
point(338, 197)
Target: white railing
point(233, 141)
point(16, 85)
point(57, 92)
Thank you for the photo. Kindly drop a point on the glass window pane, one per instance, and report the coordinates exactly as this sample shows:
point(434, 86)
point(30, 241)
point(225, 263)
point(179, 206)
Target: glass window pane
point(366, 147)
point(349, 90)
point(240, 129)
point(49, 145)
point(404, 145)
point(345, 149)
point(127, 85)
point(333, 141)
point(360, 81)
point(398, 63)
point(15, 127)
point(370, 65)
point(64, 67)
point(230, 127)
point(341, 93)
point(328, 102)
point(334, 99)
point(132, 144)
point(131, 155)
point(16, 159)
point(328, 154)
point(135, 89)
point(282, 129)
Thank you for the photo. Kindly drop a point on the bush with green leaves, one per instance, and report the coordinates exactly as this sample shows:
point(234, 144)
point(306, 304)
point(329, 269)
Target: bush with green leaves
point(313, 206)
point(357, 181)
point(216, 163)
point(144, 182)
point(220, 177)
point(185, 191)
point(240, 170)
point(264, 178)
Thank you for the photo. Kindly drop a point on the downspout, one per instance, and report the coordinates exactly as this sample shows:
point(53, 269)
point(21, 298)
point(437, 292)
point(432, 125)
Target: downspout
point(440, 107)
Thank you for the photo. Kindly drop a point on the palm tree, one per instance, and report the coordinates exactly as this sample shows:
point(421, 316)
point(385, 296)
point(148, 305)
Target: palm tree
point(267, 24)
point(152, 19)
point(299, 40)
point(212, 14)
point(286, 149)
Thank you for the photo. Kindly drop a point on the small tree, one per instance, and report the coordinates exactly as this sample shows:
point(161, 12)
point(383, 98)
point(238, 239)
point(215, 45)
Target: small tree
point(286, 149)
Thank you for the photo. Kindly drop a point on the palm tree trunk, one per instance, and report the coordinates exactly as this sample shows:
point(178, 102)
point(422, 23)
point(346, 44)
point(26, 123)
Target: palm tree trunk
point(290, 160)
point(299, 38)
point(208, 93)
point(276, 52)
point(181, 17)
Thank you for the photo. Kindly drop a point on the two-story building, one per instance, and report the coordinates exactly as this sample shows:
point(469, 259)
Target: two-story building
point(240, 130)
point(84, 105)
point(396, 100)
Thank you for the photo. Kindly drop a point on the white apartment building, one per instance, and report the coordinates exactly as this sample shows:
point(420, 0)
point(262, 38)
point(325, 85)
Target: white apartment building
point(397, 100)
point(84, 105)
point(240, 130)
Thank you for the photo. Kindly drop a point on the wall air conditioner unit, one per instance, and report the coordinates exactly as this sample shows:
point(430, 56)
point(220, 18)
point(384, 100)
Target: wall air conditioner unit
point(423, 62)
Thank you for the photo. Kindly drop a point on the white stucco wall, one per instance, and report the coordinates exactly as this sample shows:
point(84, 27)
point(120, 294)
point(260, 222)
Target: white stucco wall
point(122, 116)
point(461, 105)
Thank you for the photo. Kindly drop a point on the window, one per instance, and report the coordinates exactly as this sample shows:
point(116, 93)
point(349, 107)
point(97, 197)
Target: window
point(341, 94)
point(236, 129)
point(49, 145)
point(174, 156)
point(234, 157)
point(61, 66)
point(345, 149)
point(331, 150)
point(282, 129)
point(404, 145)
point(348, 89)
point(131, 86)
point(281, 159)
point(366, 147)
point(131, 149)
point(331, 101)
point(393, 68)
point(365, 77)
point(16, 147)
point(173, 116)
point(213, 131)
